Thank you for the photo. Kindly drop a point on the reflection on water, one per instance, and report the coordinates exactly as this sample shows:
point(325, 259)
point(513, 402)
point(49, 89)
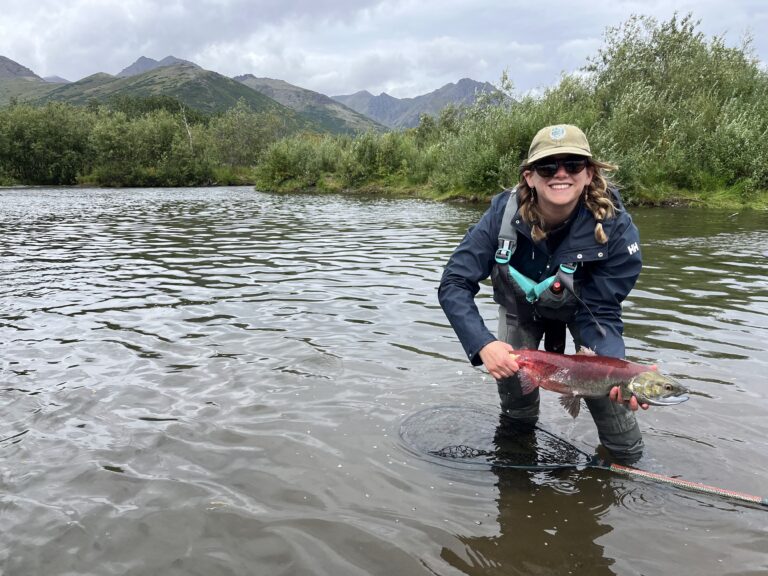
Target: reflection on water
point(547, 523)
point(210, 381)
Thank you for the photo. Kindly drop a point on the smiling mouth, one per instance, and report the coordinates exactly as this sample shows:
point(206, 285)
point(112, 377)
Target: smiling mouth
point(559, 186)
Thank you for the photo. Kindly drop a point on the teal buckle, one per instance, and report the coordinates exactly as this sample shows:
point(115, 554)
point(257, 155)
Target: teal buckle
point(533, 290)
point(503, 255)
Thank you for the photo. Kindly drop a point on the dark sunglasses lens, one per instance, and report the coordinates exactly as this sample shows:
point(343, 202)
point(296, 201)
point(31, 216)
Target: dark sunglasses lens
point(574, 166)
point(550, 169)
point(546, 170)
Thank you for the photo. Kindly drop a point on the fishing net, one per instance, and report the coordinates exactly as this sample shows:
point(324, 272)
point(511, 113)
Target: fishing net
point(470, 436)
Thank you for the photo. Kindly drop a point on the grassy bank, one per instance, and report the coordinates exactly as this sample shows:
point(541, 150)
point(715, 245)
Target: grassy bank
point(732, 198)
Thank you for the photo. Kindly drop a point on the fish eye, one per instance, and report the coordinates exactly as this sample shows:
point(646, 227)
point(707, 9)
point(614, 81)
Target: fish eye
point(668, 386)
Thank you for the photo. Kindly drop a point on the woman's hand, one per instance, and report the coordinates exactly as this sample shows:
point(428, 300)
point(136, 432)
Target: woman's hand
point(498, 358)
point(632, 403)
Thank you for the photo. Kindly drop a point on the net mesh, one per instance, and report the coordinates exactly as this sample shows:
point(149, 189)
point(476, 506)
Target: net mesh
point(470, 435)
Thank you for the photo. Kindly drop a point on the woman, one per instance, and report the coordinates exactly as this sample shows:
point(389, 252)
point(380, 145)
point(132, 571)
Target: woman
point(561, 251)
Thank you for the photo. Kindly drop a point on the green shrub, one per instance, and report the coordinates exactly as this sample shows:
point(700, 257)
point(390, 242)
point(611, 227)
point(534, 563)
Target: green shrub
point(298, 162)
point(45, 145)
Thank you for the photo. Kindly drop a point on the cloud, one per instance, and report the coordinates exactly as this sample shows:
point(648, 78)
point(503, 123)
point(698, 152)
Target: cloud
point(403, 47)
point(80, 37)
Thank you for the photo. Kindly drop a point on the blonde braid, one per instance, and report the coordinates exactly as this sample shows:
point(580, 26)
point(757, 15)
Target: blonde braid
point(598, 201)
point(529, 210)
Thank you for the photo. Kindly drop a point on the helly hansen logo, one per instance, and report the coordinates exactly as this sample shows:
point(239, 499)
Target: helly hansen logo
point(633, 248)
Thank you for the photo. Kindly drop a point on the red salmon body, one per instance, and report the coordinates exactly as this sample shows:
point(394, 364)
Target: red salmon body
point(574, 375)
point(577, 374)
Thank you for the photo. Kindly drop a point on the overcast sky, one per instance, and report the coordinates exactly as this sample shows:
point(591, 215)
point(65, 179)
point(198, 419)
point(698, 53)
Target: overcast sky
point(402, 47)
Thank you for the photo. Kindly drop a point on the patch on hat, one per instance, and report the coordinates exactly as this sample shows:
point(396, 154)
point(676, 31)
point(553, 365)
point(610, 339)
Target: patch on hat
point(557, 133)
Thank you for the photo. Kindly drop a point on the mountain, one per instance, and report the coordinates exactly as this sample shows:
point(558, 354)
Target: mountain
point(405, 112)
point(18, 82)
point(144, 64)
point(200, 89)
point(56, 80)
point(332, 115)
point(10, 69)
point(210, 92)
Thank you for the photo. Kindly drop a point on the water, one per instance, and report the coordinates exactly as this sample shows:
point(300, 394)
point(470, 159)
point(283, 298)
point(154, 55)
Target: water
point(211, 381)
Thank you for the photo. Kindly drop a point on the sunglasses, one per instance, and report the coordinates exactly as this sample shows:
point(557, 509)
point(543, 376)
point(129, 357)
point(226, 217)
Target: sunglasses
point(549, 169)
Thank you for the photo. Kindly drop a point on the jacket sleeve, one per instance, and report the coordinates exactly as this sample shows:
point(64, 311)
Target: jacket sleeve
point(607, 286)
point(469, 265)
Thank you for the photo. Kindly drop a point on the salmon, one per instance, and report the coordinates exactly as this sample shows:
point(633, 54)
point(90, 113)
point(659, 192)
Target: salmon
point(578, 376)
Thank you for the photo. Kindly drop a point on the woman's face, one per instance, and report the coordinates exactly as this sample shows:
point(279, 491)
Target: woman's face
point(561, 190)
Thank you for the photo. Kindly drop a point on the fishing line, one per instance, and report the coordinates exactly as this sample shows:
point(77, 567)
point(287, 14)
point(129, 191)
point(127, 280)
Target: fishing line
point(470, 437)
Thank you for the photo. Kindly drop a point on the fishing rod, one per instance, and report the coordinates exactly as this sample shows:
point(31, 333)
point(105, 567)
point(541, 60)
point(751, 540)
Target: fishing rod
point(685, 484)
point(460, 452)
point(522, 454)
point(632, 472)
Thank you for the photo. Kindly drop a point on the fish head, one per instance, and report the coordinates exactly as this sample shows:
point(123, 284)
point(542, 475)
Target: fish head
point(656, 389)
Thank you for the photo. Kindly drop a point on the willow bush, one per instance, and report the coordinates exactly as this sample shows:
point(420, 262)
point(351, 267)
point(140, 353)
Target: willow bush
point(46, 145)
point(132, 142)
point(677, 109)
point(299, 162)
point(156, 149)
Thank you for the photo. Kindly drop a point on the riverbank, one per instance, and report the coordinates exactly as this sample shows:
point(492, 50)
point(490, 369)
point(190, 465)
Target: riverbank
point(726, 199)
point(730, 198)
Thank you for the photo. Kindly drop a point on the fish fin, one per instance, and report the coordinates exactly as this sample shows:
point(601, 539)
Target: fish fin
point(572, 404)
point(527, 384)
point(584, 351)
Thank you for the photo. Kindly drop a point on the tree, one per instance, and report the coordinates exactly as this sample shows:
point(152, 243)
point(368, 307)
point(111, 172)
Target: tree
point(47, 145)
point(239, 136)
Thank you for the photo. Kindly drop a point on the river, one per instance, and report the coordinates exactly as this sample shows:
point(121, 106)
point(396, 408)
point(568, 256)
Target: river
point(211, 382)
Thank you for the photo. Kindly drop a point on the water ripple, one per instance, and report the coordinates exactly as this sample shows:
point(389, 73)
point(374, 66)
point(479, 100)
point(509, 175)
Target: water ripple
point(192, 371)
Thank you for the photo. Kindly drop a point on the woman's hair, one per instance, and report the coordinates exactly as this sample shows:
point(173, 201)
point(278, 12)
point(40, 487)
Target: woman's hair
point(596, 198)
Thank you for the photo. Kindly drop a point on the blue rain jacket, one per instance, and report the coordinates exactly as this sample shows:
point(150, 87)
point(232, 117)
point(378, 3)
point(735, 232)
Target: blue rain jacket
point(605, 272)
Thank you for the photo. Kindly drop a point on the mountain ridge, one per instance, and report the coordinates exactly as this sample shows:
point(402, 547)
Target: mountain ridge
point(204, 90)
point(144, 64)
point(405, 112)
point(211, 92)
point(329, 112)
point(12, 69)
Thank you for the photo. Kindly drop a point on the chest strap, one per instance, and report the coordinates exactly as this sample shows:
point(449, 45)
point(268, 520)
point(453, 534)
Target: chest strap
point(507, 234)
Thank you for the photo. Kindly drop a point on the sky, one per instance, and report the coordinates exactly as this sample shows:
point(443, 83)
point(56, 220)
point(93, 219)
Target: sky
point(402, 47)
